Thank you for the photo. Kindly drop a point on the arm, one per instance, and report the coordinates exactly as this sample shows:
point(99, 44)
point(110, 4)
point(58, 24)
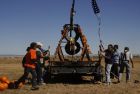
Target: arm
point(23, 61)
point(45, 52)
point(120, 58)
point(42, 50)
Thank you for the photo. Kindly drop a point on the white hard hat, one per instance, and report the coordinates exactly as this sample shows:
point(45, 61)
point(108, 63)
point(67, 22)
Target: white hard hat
point(39, 43)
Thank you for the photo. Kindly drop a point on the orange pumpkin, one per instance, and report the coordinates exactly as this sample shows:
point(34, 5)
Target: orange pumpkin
point(4, 79)
point(3, 86)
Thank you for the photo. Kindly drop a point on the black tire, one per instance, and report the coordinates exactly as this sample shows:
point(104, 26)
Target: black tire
point(72, 52)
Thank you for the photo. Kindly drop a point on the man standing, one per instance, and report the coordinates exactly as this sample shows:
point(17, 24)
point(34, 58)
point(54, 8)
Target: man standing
point(30, 66)
point(116, 62)
point(108, 62)
point(40, 63)
point(126, 58)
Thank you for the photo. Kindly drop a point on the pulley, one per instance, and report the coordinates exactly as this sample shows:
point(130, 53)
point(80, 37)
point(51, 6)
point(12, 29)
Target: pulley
point(72, 48)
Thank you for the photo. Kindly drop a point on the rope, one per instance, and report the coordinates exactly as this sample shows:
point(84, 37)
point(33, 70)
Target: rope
point(99, 30)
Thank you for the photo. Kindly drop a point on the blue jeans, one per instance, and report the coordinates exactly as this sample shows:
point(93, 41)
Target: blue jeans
point(107, 72)
point(128, 69)
point(25, 75)
point(39, 73)
point(116, 70)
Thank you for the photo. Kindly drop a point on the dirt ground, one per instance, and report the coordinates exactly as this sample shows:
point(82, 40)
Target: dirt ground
point(12, 68)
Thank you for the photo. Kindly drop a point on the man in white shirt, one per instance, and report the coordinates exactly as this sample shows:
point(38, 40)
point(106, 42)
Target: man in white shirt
point(126, 58)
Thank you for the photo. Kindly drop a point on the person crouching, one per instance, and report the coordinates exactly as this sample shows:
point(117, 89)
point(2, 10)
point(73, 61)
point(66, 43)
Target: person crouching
point(30, 66)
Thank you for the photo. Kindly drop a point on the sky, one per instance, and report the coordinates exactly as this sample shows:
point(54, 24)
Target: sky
point(25, 21)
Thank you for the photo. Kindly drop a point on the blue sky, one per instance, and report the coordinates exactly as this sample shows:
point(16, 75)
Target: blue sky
point(24, 21)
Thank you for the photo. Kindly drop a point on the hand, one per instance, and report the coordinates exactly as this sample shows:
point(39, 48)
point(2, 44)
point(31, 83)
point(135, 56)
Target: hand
point(102, 54)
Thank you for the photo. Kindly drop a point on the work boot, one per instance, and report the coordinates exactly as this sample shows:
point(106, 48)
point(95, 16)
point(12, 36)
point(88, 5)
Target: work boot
point(41, 83)
point(12, 85)
point(119, 81)
point(16, 85)
point(128, 81)
point(108, 83)
point(98, 82)
point(35, 88)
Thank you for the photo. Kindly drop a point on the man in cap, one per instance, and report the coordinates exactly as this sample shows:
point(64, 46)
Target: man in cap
point(39, 46)
point(126, 58)
point(40, 63)
point(30, 66)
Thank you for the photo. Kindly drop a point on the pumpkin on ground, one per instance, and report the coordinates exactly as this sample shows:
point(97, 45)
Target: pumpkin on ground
point(4, 79)
point(3, 86)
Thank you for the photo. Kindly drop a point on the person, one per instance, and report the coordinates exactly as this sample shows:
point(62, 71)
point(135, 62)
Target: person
point(116, 63)
point(108, 62)
point(40, 63)
point(126, 58)
point(30, 66)
point(24, 60)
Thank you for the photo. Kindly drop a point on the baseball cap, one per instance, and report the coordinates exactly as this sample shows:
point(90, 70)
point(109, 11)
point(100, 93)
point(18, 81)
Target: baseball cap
point(39, 43)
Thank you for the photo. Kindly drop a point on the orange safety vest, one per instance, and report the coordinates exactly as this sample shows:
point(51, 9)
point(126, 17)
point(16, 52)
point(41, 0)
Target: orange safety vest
point(31, 55)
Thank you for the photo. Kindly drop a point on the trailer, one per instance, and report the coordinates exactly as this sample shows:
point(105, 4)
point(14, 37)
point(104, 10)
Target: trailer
point(66, 61)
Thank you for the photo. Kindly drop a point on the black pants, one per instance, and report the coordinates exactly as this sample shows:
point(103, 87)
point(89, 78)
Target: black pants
point(39, 73)
point(115, 70)
point(25, 75)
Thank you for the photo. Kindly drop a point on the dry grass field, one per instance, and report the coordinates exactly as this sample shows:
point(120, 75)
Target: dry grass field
point(12, 68)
